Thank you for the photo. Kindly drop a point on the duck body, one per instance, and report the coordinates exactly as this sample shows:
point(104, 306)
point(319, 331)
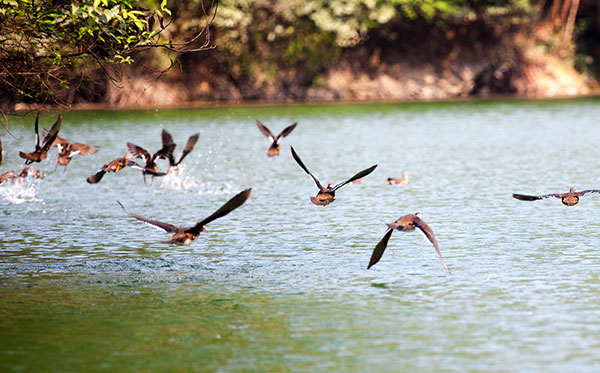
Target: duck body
point(326, 195)
point(186, 235)
point(41, 151)
point(571, 198)
point(406, 223)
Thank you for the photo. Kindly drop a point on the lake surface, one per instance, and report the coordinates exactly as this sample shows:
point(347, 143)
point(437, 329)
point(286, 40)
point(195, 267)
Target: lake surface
point(281, 284)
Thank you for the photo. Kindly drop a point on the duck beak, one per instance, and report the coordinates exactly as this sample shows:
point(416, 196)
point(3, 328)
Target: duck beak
point(203, 229)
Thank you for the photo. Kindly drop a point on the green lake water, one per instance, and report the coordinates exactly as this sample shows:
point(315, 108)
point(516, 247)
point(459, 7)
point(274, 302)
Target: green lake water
point(281, 284)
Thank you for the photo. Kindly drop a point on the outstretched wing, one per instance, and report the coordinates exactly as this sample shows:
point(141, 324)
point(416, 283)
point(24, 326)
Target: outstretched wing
point(155, 223)
point(189, 146)
point(167, 139)
point(52, 134)
point(231, 205)
point(265, 130)
point(286, 131)
point(299, 161)
point(58, 141)
point(83, 149)
point(380, 248)
point(579, 194)
point(524, 197)
point(139, 152)
point(363, 173)
point(428, 233)
point(37, 133)
point(166, 152)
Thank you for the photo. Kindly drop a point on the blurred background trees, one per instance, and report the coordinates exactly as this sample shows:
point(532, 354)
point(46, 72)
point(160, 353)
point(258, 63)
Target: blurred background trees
point(65, 51)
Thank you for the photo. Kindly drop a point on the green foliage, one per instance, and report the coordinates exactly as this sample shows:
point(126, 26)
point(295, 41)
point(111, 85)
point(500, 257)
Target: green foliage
point(43, 41)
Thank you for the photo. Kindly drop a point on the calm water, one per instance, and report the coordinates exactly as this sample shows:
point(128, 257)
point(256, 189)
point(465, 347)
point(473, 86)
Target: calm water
point(281, 284)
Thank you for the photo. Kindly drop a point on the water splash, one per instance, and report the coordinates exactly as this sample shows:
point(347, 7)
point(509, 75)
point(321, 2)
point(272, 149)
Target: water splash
point(18, 192)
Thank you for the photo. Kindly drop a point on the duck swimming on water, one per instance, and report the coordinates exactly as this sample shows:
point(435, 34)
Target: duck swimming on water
point(402, 181)
point(405, 223)
point(571, 198)
point(326, 195)
point(185, 235)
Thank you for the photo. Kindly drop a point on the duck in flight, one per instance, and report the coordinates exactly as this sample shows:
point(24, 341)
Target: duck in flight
point(67, 150)
point(405, 223)
point(326, 195)
point(571, 198)
point(185, 235)
point(150, 166)
point(40, 152)
point(20, 177)
point(114, 166)
point(274, 149)
point(167, 140)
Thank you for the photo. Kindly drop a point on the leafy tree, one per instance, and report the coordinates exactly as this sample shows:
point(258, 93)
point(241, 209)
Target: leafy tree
point(45, 45)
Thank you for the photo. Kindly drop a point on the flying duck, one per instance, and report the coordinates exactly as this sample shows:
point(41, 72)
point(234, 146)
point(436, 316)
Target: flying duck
point(326, 195)
point(274, 148)
point(67, 150)
point(405, 223)
point(167, 140)
point(150, 166)
point(185, 235)
point(19, 177)
point(402, 181)
point(114, 166)
point(571, 198)
point(41, 152)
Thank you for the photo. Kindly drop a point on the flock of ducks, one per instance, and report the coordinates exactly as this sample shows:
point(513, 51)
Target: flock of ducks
point(185, 235)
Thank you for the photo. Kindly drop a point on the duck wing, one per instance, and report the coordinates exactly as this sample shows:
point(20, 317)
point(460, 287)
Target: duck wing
point(363, 173)
point(428, 233)
point(155, 223)
point(52, 134)
point(59, 141)
point(167, 139)
point(579, 194)
point(83, 149)
point(299, 161)
point(265, 130)
point(286, 131)
point(524, 197)
point(139, 152)
point(380, 248)
point(228, 207)
point(189, 146)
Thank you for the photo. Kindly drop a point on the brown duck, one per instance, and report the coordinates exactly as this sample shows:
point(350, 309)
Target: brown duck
point(167, 140)
point(41, 152)
point(405, 223)
point(326, 195)
point(402, 181)
point(185, 235)
point(571, 198)
point(150, 166)
point(114, 166)
point(19, 177)
point(274, 149)
point(67, 150)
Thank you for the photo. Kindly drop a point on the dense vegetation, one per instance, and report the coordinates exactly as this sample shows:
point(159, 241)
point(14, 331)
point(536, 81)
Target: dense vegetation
point(48, 49)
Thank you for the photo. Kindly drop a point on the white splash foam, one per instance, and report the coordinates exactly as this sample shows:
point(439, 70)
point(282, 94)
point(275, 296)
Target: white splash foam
point(19, 192)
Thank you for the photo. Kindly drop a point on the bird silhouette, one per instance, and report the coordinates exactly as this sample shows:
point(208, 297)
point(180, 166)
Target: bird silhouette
point(326, 195)
point(405, 223)
point(185, 235)
point(571, 198)
point(41, 151)
point(274, 148)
